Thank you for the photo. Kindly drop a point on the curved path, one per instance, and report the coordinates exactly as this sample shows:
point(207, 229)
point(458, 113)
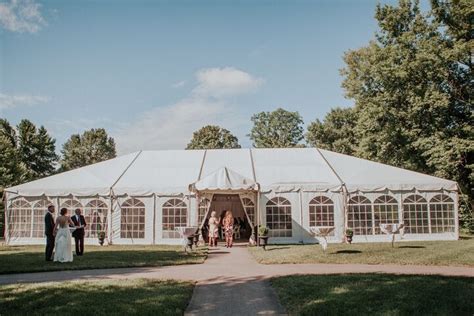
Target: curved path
point(230, 277)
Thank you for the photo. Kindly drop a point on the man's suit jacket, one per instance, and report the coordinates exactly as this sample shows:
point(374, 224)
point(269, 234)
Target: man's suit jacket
point(48, 224)
point(78, 233)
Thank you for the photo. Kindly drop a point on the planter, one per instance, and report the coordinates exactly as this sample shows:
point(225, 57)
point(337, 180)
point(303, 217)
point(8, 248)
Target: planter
point(190, 242)
point(263, 241)
point(349, 239)
point(101, 238)
point(196, 240)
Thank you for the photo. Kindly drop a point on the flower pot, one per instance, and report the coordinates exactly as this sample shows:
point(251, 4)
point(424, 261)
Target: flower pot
point(190, 242)
point(263, 241)
point(196, 240)
point(101, 241)
point(349, 239)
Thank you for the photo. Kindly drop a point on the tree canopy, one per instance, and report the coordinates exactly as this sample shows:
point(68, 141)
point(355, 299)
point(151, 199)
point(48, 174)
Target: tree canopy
point(279, 128)
point(213, 137)
point(90, 147)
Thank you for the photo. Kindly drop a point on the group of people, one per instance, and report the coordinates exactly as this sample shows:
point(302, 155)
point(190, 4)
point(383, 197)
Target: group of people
point(59, 237)
point(226, 224)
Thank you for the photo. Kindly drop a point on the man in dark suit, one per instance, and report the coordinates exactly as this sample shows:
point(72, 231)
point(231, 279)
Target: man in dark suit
point(49, 232)
point(78, 234)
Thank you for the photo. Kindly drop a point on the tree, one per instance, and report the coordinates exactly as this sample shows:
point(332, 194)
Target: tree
point(279, 128)
point(213, 137)
point(412, 88)
point(336, 132)
point(91, 147)
point(37, 150)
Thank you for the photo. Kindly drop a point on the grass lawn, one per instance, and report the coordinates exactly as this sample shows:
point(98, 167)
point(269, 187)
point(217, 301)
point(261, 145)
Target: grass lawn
point(117, 297)
point(449, 253)
point(17, 259)
point(375, 294)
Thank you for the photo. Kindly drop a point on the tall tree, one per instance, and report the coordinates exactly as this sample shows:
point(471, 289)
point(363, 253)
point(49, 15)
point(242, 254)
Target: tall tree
point(412, 88)
point(336, 132)
point(213, 137)
point(90, 147)
point(37, 150)
point(279, 128)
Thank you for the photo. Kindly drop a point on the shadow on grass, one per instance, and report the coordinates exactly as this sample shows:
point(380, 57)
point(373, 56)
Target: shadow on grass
point(20, 262)
point(279, 248)
point(98, 297)
point(376, 294)
point(347, 251)
point(411, 247)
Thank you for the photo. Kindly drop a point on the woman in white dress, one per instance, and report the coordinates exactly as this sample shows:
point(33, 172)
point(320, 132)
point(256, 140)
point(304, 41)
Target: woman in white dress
point(63, 241)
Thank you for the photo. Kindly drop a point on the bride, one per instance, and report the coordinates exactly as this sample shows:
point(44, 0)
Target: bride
point(63, 251)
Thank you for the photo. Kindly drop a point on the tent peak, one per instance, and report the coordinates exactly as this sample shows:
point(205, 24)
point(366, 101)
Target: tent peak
point(224, 179)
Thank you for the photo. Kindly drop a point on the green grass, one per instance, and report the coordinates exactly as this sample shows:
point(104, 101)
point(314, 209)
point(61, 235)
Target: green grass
point(375, 294)
point(449, 253)
point(117, 297)
point(19, 259)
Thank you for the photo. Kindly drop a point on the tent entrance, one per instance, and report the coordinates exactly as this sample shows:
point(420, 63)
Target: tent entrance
point(221, 203)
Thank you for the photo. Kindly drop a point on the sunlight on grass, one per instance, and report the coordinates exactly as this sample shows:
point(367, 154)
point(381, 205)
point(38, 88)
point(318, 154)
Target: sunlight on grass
point(375, 294)
point(17, 259)
point(450, 253)
point(119, 297)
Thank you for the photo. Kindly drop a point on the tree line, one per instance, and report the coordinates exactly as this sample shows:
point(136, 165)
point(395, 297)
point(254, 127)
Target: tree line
point(412, 89)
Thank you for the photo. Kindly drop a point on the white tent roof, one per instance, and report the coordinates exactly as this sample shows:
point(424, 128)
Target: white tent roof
point(283, 169)
point(224, 179)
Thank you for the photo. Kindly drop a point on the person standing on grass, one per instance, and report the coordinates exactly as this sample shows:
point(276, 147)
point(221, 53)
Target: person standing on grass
point(49, 232)
point(80, 223)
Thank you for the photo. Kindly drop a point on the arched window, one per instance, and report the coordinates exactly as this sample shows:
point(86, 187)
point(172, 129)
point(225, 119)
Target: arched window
point(415, 215)
point(175, 213)
point(385, 212)
point(279, 217)
point(132, 219)
point(442, 214)
point(203, 208)
point(71, 206)
point(39, 211)
point(321, 212)
point(359, 215)
point(249, 207)
point(20, 219)
point(95, 214)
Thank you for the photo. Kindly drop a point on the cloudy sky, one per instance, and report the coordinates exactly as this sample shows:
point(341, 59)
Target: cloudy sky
point(152, 72)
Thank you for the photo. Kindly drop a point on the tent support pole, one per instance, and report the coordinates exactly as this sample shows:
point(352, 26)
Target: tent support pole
point(258, 217)
point(345, 197)
point(154, 218)
point(5, 214)
point(109, 219)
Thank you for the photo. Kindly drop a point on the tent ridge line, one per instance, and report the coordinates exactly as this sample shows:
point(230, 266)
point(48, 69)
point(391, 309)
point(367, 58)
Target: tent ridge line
point(253, 165)
point(202, 165)
point(330, 166)
point(125, 171)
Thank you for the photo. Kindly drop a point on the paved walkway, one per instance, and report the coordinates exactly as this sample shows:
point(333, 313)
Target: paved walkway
point(230, 277)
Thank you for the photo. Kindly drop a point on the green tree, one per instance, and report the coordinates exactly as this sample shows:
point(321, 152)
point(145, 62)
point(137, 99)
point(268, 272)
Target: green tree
point(90, 147)
point(213, 137)
point(336, 132)
point(37, 150)
point(277, 129)
point(412, 88)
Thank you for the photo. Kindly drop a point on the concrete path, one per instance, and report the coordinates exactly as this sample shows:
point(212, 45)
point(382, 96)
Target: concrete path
point(230, 277)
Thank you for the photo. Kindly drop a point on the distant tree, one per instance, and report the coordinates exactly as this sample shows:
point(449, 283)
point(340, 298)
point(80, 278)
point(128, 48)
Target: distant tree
point(213, 137)
point(336, 132)
point(90, 147)
point(277, 129)
point(37, 150)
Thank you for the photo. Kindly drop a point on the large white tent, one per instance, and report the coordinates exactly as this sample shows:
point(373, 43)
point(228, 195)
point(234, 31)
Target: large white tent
point(141, 198)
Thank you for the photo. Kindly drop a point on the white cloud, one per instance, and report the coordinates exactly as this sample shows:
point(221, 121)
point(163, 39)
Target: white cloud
point(171, 127)
point(179, 84)
point(21, 16)
point(13, 101)
point(225, 82)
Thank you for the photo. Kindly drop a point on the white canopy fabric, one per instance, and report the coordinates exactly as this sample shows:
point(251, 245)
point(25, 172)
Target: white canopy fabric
point(224, 179)
point(170, 172)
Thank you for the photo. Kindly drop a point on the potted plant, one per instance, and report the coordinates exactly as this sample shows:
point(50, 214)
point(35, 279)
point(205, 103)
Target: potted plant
point(101, 237)
point(349, 234)
point(263, 236)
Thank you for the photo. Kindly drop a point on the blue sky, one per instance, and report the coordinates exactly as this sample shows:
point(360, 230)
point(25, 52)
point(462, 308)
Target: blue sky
point(152, 72)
